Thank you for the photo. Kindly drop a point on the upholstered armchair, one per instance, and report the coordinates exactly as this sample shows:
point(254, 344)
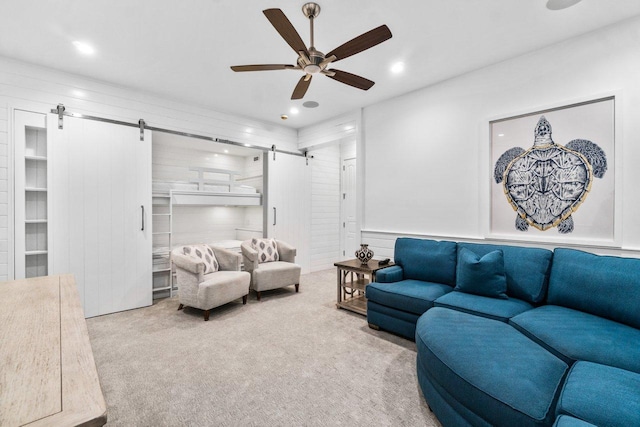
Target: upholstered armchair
point(201, 288)
point(270, 274)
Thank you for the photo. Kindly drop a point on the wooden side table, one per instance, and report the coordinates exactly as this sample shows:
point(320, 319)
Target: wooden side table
point(353, 277)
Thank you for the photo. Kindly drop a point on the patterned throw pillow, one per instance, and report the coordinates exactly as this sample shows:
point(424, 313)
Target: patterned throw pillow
point(205, 254)
point(267, 249)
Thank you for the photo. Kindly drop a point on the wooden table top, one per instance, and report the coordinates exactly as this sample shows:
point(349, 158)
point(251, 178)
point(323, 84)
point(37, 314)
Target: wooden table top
point(355, 265)
point(48, 375)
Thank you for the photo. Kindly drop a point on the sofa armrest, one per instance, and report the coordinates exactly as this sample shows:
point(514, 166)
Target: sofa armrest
point(228, 260)
point(286, 252)
point(389, 274)
point(250, 257)
point(191, 264)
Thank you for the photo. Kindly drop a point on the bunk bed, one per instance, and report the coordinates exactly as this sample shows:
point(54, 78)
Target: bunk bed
point(211, 187)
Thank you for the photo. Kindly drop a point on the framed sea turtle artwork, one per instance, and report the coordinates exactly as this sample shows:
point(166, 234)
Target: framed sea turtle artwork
point(553, 175)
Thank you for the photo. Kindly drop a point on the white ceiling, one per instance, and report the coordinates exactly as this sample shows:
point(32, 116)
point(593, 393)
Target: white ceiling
point(183, 49)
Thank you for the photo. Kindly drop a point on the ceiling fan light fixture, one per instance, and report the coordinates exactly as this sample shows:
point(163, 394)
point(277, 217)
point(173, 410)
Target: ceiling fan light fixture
point(397, 68)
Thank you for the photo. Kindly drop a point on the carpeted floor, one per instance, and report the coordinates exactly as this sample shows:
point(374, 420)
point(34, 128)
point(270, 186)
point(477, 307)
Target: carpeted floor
point(290, 360)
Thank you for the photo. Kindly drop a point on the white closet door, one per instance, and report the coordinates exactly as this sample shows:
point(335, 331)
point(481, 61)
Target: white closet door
point(101, 213)
point(289, 204)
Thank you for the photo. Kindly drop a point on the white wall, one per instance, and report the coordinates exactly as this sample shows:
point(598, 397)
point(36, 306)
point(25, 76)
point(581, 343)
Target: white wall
point(325, 207)
point(424, 151)
point(39, 89)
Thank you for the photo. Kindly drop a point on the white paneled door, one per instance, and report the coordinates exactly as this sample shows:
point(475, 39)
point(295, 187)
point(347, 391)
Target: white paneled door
point(289, 204)
point(101, 213)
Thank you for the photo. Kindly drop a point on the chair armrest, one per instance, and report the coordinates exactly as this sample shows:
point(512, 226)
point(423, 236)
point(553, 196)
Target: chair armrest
point(389, 274)
point(188, 263)
point(228, 260)
point(286, 252)
point(250, 257)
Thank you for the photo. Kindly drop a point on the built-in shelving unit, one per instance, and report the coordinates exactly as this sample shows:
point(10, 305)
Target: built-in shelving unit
point(31, 210)
point(162, 275)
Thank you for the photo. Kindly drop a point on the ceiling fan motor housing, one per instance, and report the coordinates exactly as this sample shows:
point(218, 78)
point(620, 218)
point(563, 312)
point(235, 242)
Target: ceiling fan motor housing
point(315, 58)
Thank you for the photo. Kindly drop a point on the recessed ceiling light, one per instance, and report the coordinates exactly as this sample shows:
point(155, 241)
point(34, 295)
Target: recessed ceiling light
point(247, 145)
point(78, 93)
point(294, 110)
point(248, 130)
point(397, 68)
point(348, 127)
point(226, 151)
point(310, 104)
point(84, 48)
point(501, 134)
point(215, 155)
point(560, 4)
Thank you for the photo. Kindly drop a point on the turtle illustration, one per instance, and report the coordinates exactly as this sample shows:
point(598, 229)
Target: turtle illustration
point(547, 183)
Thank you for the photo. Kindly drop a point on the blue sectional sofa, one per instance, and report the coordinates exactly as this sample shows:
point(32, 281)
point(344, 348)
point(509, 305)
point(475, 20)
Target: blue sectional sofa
point(516, 336)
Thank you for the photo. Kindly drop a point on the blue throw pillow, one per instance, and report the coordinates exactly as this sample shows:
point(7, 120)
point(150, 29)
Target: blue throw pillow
point(481, 275)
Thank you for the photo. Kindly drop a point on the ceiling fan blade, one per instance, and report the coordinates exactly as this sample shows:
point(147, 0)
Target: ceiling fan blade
point(264, 67)
point(362, 42)
point(351, 79)
point(301, 87)
point(284, 27)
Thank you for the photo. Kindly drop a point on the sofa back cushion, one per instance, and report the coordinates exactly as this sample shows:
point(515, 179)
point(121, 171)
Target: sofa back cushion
point(527, 269)
point(605, 286)
point(427, 260)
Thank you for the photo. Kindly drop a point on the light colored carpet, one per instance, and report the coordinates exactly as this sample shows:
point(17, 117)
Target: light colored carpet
point(290, 360)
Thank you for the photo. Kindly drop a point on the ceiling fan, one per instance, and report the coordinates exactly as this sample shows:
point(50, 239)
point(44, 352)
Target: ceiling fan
point(311, 61)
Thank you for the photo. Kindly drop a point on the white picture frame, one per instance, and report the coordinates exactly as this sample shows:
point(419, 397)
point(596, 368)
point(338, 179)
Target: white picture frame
point(596, 219)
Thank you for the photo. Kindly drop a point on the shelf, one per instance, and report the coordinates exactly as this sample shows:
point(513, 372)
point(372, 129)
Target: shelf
point(249, 178)
point(35, 221)
point(357, 304)
point(161, 232)
point(164, 288)
point(34, 189)
point(42, 252)
point(162, 270)
point(161, 214)
point(36, 158)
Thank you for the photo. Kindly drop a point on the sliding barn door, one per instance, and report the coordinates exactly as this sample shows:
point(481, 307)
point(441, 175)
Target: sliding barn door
point(101, 213)
point(289, 204)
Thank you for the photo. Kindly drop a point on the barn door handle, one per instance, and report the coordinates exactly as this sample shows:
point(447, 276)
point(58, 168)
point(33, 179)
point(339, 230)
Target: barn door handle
point(142, 207)
point(274, 216)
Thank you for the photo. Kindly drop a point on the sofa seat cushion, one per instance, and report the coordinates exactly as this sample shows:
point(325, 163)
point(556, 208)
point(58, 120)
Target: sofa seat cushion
point(601, 395)
point(275, 274)
point(567, 421)
point(492, 308)
point(488, 366)
point(414, 296)
point(573, 335)
point(222, 287)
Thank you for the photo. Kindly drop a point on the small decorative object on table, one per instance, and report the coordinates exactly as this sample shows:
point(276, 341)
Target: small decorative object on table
point(364, 254)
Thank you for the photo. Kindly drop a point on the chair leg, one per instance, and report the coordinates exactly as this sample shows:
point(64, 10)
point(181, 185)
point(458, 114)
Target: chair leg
point(244, 299)
point(180, 307)
point(297, 286)
point(258, 292)
point(206, 315)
